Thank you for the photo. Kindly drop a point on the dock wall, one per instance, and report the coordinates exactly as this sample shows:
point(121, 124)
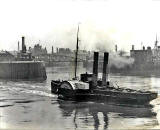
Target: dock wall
point(23, 70)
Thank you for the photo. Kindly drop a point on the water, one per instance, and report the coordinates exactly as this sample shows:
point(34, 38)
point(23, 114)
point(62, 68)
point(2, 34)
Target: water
point(30, 105)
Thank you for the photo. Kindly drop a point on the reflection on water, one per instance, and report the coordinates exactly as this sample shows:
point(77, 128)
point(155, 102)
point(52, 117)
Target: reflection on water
point(88, 111)
point(31, 105)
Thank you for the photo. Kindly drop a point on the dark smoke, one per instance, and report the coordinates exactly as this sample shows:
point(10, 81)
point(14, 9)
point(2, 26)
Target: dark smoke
point(120, 61)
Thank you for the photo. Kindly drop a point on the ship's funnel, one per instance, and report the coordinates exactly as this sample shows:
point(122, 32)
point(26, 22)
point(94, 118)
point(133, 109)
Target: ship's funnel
point(95, 70)
point(105, 64)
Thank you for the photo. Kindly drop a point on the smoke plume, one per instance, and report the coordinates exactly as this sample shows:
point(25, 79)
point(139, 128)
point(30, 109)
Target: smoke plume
point(119, 61)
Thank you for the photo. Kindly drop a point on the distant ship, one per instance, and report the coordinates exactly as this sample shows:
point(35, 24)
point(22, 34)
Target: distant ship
point(22, 67)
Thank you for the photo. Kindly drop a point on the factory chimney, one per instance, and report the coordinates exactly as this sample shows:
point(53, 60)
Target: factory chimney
point(18, 46)
point(23, 45)
point(52, 50)
point(143, 47)
point(57, 49)
point(116, 48)
point(132, 47)
point(95, 70)
point(105, 64)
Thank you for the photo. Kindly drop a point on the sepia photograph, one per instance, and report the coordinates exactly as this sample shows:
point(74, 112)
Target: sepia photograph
point(79, 64)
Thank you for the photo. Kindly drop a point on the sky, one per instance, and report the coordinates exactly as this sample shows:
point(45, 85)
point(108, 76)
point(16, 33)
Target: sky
point(103, 23)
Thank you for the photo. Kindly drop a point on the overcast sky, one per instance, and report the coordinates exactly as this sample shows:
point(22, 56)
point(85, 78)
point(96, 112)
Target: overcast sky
point(103, 22)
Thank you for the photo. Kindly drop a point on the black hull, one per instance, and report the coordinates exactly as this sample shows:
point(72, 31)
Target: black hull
point(103, 98)
point(109, 95)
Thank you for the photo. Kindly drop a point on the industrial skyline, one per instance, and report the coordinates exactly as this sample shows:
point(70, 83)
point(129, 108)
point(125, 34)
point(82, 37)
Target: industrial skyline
point(53, 22)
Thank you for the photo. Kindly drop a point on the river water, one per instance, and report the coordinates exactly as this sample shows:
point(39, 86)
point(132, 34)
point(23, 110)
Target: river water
point(30, 105)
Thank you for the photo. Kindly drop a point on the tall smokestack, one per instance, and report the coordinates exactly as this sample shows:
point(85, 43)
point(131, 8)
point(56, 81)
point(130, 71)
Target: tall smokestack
point(23, 42)
point(95, 70)
point(132, 47)
point(52, 49)
point(18, 46)
point(143, 47)
point(23, 45)
point(57, 49)
point(116, 48)
point(105, 63)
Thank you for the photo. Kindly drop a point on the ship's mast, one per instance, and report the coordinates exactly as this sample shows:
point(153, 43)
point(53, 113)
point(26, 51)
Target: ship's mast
point(76, 54)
